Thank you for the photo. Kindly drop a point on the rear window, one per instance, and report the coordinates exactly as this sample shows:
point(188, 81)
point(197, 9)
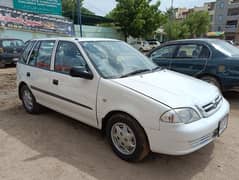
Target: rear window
point(12, 43)
point(225, 47)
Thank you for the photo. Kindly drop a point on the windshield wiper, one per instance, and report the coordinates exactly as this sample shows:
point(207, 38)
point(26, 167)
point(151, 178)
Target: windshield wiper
point(156, 68)
point(135, 72)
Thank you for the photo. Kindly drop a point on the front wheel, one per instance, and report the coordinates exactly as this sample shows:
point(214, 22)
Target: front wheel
point(127, 138)
point(29, 101)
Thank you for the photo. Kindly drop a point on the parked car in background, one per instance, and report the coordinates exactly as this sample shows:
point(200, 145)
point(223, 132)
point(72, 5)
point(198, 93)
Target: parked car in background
point(10, 51)
point(111, 86)
point(142, 46)
point(212, 60)
point(231, 42)
point(153, 43)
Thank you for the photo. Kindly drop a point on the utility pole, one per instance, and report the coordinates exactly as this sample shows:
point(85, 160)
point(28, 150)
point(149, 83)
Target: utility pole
point(79, 16)
point(172, 10)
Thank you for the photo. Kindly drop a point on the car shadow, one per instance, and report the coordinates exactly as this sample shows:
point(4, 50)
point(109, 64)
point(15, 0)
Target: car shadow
point(233, 98)
point(53, 135)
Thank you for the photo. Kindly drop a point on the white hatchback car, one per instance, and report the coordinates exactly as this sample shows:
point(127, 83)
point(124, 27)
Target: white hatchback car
point(111, 86)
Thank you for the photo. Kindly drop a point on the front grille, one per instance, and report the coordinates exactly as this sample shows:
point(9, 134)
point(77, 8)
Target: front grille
point(213, 106)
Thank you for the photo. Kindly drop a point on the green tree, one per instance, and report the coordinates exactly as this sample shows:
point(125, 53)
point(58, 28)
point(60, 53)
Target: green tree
point(197, 23)
point(137, 18)
point(176, 30)
point(69, 9)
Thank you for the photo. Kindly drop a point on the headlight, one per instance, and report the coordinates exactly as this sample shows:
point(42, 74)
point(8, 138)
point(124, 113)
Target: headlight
point(180, 115)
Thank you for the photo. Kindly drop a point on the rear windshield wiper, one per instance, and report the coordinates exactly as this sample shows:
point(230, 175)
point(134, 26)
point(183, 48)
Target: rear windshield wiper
point(135, 72)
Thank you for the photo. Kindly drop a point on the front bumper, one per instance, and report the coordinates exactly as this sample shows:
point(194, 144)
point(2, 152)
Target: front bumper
point(183, 139)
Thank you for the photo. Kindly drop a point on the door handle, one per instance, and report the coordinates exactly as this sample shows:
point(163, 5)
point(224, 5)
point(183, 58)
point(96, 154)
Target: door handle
point(28, 74)
point(55, 81)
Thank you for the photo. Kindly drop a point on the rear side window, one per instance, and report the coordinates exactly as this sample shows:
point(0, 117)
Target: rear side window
point(164, 52)
point(33, 57)
point(26, 52)
point(193, 51)
point(41, 54)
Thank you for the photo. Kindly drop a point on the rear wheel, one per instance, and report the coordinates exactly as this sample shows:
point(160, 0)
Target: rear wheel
point(211, 80)
point(127, 138)
point(2, 65)
point(29, 101)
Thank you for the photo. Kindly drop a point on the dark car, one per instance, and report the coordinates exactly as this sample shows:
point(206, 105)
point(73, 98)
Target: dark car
point(213, 60)
point(10, 51)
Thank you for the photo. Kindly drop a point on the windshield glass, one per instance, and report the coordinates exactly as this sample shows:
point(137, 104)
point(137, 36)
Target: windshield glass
point(114, 59)
point(226, 48)
point(12, 43)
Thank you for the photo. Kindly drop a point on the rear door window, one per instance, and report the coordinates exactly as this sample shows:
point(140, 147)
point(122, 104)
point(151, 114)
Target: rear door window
point(33, 57)
point(190, 51)
point(41, 54)
point(26, 52)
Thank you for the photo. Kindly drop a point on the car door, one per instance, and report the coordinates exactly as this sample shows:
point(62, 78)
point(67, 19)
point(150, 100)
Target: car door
point(73, 96)
point(163, 56)
point(190, 59)
point(39, 70)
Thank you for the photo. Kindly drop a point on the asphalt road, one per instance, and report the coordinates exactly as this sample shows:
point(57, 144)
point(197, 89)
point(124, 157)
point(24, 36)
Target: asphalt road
point(51, 146)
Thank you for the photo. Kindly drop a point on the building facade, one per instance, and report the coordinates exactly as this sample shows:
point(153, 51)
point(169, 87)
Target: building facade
point(224, 16)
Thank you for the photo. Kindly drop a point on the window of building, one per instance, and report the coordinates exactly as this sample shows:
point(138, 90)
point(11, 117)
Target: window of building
point(222, 4)
point(220, 18)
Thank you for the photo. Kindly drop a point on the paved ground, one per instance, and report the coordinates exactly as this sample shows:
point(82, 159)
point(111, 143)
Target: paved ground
point(51, 146)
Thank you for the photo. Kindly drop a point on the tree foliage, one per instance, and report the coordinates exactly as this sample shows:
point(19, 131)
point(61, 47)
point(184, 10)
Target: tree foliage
point(198, 23)
point(137, 18)
point(195, 25)
point(176, 30)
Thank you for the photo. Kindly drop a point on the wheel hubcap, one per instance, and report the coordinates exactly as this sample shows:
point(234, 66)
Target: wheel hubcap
point(123, 138)
point(27, 99)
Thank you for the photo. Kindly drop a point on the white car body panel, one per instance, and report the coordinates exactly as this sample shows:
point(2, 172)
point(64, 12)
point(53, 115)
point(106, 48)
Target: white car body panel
point(172, 88)
point(145, 97)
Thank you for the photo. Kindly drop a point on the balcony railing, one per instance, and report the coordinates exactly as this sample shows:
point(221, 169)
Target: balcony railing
point(230, 28)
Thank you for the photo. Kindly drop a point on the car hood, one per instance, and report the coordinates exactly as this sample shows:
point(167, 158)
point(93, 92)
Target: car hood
point(171, 88)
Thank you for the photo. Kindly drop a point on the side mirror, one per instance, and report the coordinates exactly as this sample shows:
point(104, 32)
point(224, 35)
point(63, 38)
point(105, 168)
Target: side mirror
point(81, 72)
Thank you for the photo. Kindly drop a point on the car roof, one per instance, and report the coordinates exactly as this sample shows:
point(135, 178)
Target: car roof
point(77, 39)
point(205, 40)
point(9, 39)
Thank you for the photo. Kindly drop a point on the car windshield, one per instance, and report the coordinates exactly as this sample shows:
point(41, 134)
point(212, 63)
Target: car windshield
point(226, 48)
point(115, 59)
point(12, 43)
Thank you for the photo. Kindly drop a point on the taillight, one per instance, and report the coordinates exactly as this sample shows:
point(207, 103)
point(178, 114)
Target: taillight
point(1, 50)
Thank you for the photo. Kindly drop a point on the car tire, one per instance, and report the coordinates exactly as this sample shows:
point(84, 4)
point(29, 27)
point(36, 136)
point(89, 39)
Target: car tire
point(211, 80)
point(29, 101)
point(127, 138)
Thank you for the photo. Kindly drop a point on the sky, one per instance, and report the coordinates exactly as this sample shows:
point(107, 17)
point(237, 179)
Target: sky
point(102, 7)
